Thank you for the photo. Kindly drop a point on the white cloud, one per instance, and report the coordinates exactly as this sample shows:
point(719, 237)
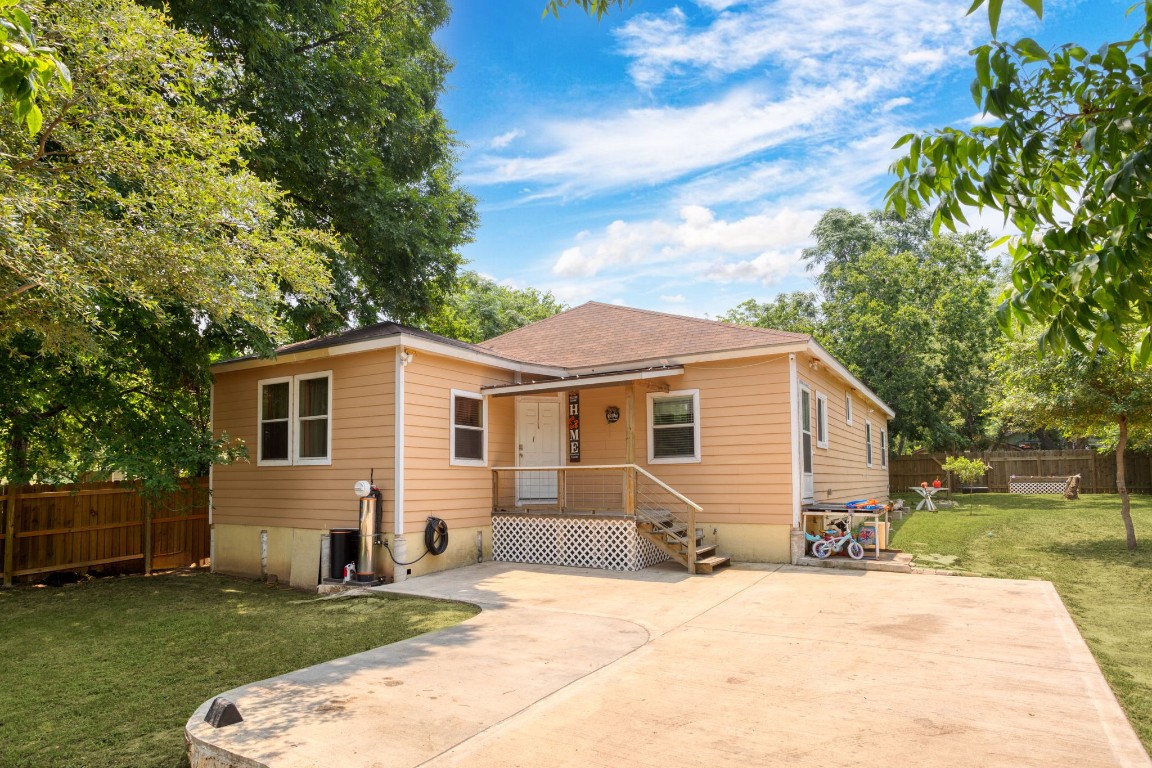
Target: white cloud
point(828, 40)
point(650, 146)
point(896, 103)
point(677, 299)
point(699, 245)
point(504, 139)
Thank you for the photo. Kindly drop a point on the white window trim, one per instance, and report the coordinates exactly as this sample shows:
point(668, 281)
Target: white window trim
point(821, 420)
point(848, 408)
point(260, 460)
point(452, 425)
point(296, 418)
point(868, 443)
point(883, 449)
point(693, 459)
point(293, 422)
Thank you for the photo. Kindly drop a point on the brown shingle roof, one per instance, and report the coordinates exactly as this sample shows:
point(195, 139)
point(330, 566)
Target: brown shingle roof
point(596, 334)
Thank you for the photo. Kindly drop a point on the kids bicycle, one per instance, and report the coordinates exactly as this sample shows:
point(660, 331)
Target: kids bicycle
point(834, 540)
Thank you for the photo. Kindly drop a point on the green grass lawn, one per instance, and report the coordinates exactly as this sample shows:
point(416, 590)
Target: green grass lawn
point(1079, 547)
point(106, 673)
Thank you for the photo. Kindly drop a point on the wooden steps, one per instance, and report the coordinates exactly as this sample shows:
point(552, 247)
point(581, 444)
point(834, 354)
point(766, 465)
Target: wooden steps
point(671, 535)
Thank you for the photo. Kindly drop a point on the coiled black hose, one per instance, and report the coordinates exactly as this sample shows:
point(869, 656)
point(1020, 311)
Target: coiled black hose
point(435, 541)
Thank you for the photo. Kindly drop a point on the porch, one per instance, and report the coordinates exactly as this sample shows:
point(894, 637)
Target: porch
point(615, 517)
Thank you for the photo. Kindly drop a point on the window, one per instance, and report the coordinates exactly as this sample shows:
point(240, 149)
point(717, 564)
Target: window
point(821, 421)
point(884, 449)
point(469, 412)
point(868, 443)
point(313, 401)
point(295, 427)
point(674, 427)
point(848, 408)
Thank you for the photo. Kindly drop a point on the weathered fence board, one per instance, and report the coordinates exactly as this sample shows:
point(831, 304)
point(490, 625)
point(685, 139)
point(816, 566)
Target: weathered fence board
point(1097, 470)
point(71, 527)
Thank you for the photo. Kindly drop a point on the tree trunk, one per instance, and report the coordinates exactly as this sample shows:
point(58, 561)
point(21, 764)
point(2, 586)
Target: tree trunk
point(1121, 486)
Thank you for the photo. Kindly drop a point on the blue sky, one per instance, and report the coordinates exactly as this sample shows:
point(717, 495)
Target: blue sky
point(675, 156)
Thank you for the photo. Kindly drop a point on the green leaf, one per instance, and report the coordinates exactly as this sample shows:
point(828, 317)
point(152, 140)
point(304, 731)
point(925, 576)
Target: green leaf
point(1037, 7)
point(1030, 49)
point(994, 8)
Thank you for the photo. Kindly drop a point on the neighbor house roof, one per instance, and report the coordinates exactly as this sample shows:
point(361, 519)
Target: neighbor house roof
point(598, 335)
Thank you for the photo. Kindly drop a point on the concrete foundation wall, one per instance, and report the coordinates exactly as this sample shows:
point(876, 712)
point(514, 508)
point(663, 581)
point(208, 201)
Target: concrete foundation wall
point(294, 553)
point(749, 543)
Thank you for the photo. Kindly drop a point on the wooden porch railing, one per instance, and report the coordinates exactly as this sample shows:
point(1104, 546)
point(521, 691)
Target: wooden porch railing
point(592, 489)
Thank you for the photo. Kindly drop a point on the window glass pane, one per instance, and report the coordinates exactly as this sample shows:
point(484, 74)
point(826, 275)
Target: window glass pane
point(274, 441)
point(805, 411)
point(673, 442)
point(314, 439)
point(469, 442)
point(821, 419)
point(868, 442)
point(672, 410)
point(468, 412)
point(807, 452)
point(314, 397)
point(274, 401)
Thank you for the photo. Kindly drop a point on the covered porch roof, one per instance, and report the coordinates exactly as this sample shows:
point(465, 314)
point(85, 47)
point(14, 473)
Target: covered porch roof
point(583, 382)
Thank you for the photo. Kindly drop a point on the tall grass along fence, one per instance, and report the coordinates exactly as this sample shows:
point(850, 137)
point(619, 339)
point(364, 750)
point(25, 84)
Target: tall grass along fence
point(1097, 470)
point(49, 529)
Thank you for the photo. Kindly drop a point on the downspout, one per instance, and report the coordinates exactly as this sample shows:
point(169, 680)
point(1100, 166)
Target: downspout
point(399, 543)
point(794, 421)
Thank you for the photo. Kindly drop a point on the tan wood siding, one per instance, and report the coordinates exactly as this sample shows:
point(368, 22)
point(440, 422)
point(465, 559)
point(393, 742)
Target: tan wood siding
point(314, 497)
point(745, 472)
point(840, 471)
point(459, 495)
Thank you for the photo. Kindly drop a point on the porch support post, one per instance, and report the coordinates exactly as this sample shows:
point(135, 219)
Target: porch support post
point(629, 449)
point(629, 424)
point(794, 424)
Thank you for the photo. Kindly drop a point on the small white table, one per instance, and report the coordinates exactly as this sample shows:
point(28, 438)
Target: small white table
point(927, 494)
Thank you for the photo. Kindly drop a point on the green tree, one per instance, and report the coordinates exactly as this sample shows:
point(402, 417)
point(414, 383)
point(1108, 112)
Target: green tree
point(1083, 395)
point(479, 309)
point(910, 314)
point(798, 312)
point(1068, 166)
point(344, 95)
point(135, 244)
point(26, 67)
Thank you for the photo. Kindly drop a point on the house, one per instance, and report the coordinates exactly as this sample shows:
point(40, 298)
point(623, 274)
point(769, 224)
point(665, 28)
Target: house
point(596, 437)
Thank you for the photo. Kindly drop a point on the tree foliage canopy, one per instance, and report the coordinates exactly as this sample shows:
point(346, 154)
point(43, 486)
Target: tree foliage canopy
point(26, 67)
point(910, 314)
point(135, 243)
point(478, 309)
point(133, 191)
point(344, 95)
point(1068, 165)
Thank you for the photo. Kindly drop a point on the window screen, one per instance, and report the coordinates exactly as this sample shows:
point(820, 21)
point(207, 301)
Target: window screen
point(674, 427)
point(468, 428)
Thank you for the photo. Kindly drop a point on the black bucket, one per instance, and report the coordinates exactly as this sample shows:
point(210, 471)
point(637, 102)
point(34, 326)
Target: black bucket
point(343, 547)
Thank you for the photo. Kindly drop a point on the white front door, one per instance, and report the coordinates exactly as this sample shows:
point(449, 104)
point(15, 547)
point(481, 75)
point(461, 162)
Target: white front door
point(806, 486)
point(538, 441)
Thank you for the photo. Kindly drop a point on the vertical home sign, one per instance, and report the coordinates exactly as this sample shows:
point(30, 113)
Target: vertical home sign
point(573, 427)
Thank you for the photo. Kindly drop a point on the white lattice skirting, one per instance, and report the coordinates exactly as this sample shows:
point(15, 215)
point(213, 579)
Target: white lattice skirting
point(1037, 486)
point(609, 543)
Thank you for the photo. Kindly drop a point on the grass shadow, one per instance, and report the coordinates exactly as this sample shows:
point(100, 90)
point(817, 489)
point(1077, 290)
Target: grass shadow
point(1113, 551)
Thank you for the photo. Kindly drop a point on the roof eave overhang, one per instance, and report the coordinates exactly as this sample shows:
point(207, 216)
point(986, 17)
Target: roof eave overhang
point(581, 382)
point(408, 341)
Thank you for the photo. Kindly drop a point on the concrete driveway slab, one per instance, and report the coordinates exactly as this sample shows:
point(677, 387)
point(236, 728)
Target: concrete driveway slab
point(749, 666)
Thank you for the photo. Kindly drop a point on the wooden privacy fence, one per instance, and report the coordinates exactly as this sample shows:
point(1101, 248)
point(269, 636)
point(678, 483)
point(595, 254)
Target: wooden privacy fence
point(73, 527)
point(1097, 470)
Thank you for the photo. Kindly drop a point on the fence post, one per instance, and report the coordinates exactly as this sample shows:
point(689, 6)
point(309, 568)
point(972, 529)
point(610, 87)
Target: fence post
point(147, 536)
point(10, 534)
